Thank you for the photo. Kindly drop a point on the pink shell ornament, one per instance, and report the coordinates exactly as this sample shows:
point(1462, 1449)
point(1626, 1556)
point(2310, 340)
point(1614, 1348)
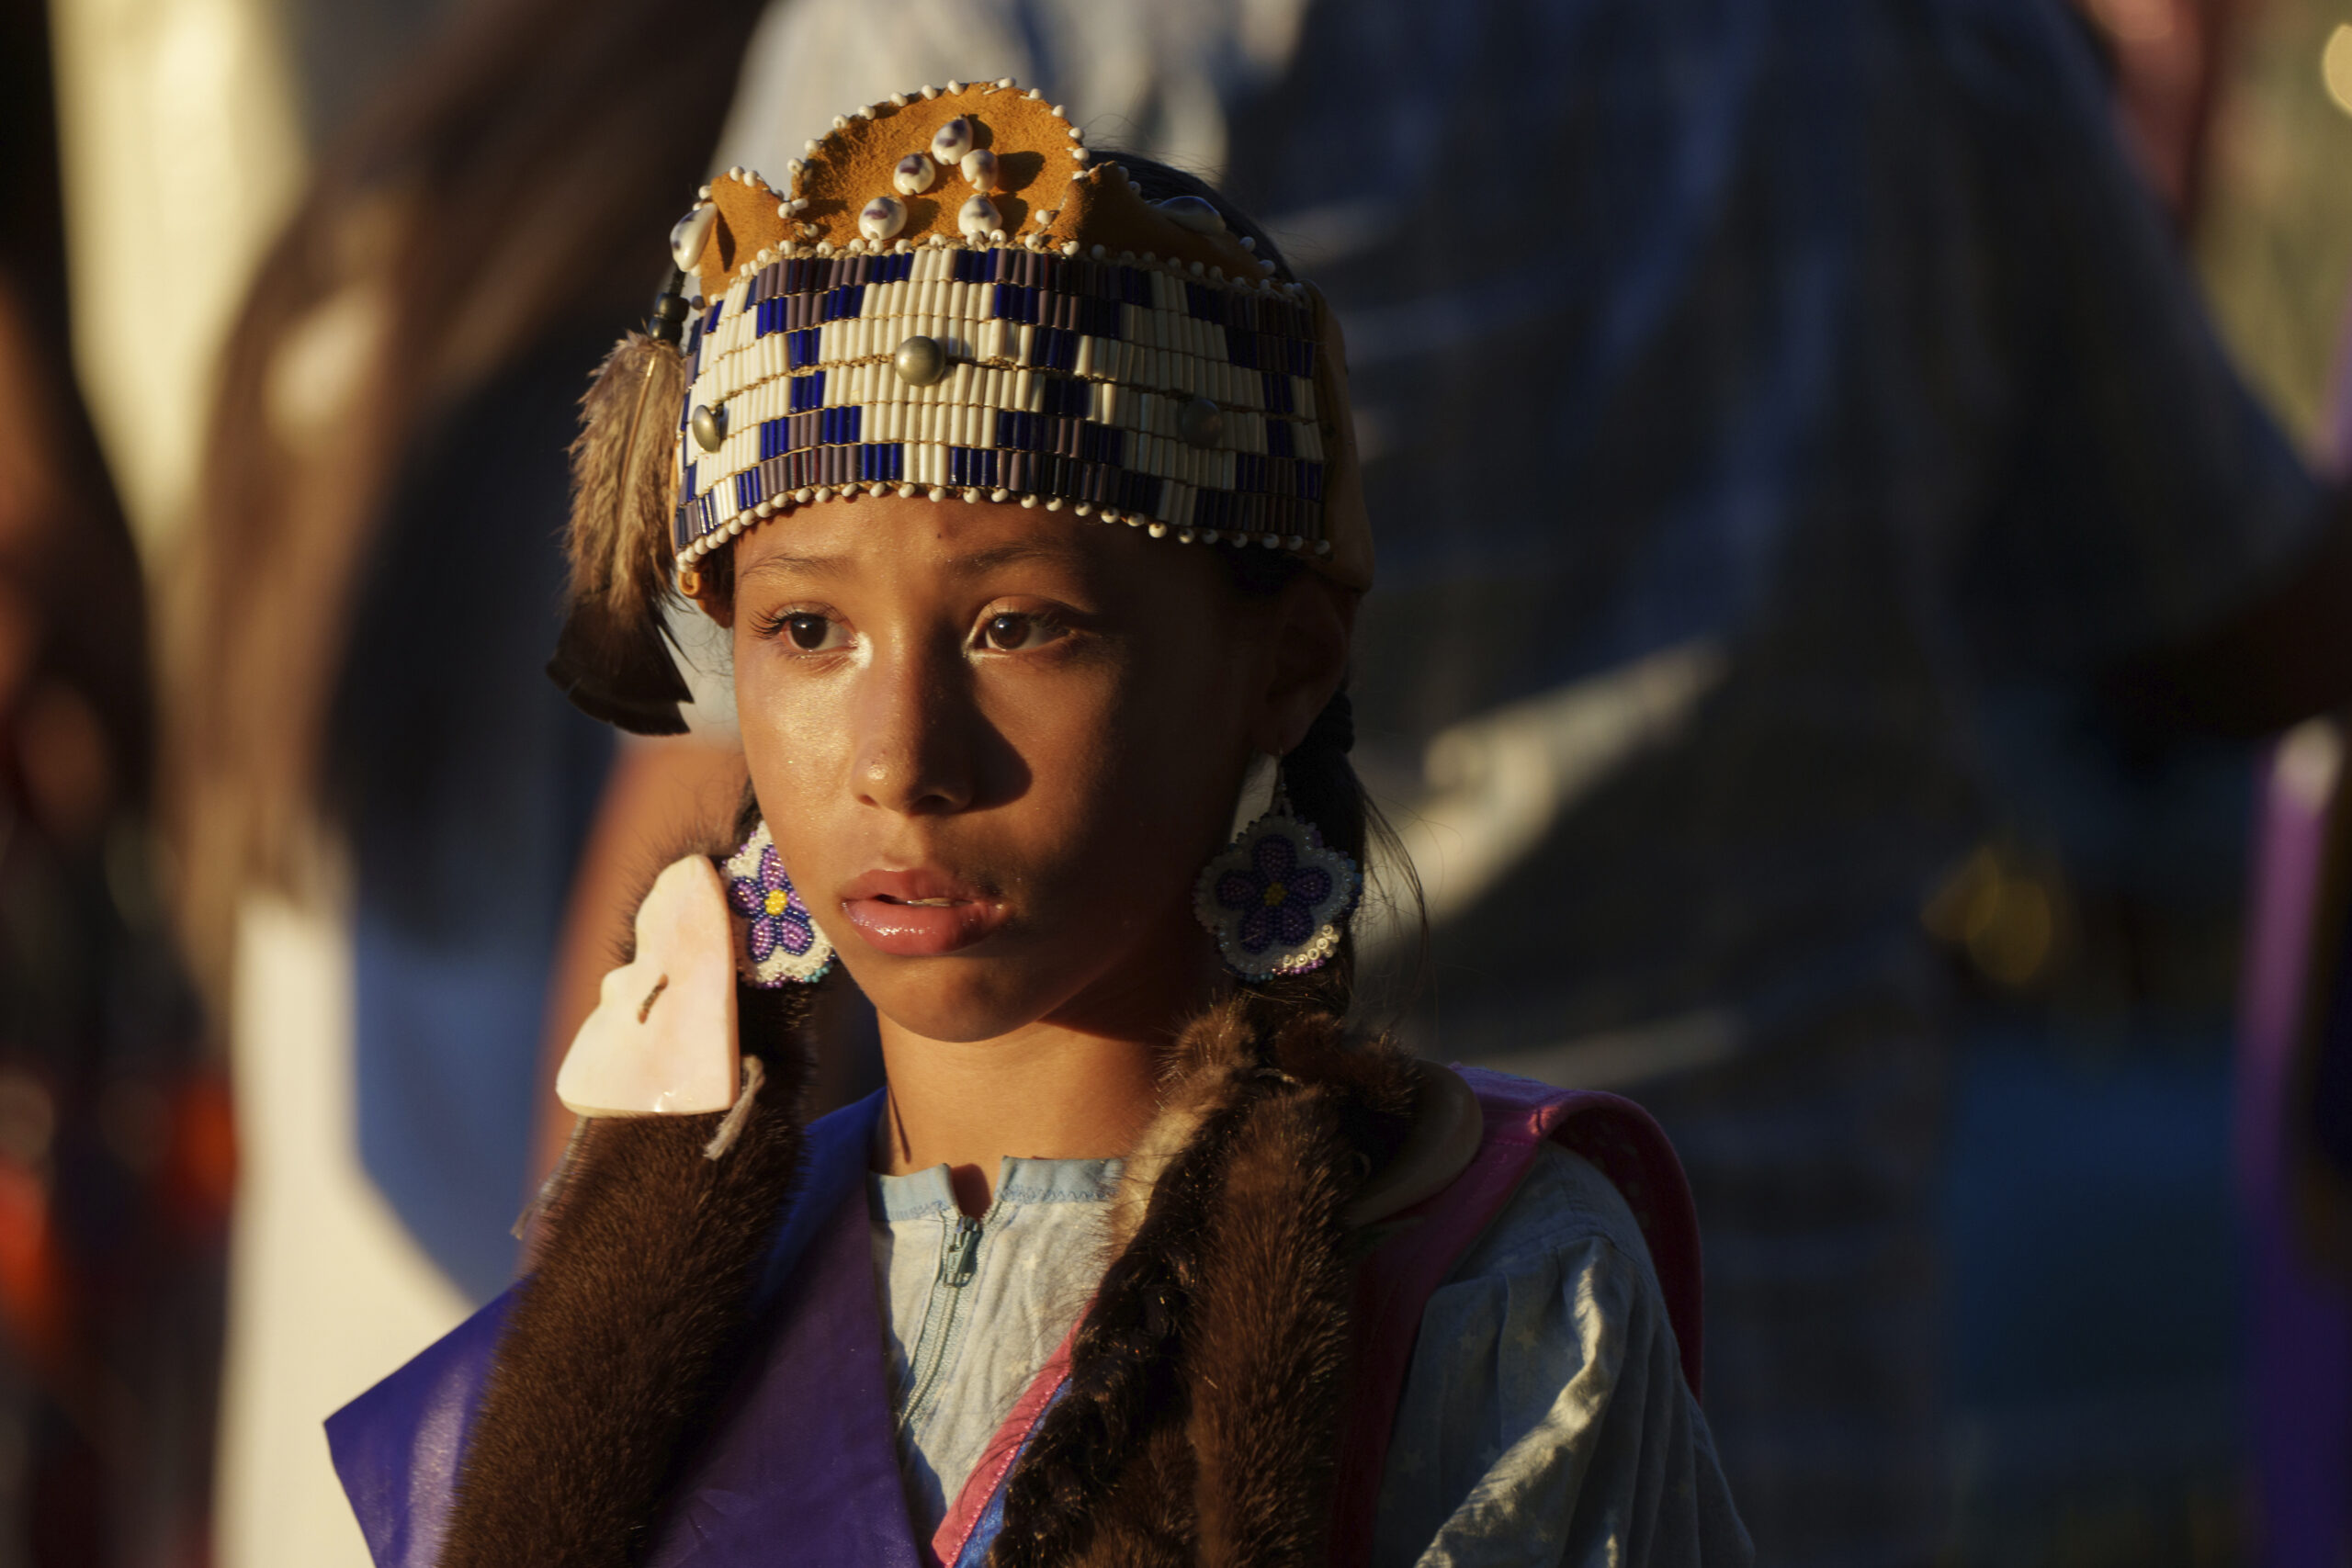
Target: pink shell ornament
point(662, 1039)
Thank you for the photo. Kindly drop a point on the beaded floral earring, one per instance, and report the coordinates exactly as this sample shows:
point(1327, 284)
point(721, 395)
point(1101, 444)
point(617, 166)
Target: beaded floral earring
point(1276, 898)
point(775, 941)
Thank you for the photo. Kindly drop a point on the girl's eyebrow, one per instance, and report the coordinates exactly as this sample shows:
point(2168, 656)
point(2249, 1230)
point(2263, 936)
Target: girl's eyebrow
point(1051, 551)
point(976, 563)
point(798, 566)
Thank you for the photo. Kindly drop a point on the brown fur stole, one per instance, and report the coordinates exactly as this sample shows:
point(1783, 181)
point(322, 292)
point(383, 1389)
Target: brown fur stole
point(1201, 1421)
point(619, 1342)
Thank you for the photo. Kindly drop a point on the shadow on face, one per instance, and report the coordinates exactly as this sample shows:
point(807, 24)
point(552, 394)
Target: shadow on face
point(995, 744)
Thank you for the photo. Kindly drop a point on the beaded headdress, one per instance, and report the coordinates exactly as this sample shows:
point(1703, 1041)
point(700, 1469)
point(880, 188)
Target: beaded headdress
point(951, 297)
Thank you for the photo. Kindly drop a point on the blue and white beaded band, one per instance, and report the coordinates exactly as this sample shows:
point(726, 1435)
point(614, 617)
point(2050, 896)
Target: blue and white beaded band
point(1117, 386)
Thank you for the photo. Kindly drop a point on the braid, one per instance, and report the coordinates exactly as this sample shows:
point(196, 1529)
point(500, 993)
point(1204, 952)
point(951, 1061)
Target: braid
point(1124, 1380)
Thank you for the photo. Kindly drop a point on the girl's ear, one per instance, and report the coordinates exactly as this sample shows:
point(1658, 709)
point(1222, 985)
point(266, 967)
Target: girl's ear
point(711, 588)
point(1314, 625)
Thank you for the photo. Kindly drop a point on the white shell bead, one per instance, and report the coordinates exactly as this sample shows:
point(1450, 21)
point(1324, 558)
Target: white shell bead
point(691, 232)
point(976, 217)
point(915, 174)
point(952, 141)
point(882, 219)
point(980, 168)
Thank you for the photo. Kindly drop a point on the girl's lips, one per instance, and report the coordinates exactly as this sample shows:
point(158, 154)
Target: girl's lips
point(919, 914)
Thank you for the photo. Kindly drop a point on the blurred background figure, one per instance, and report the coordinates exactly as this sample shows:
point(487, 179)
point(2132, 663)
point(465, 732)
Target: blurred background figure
point(406, 856)
point(2294, 1129)
point(1797, 726)
point(115, 1149)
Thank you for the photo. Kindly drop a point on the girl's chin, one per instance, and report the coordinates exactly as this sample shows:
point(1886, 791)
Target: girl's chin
point(951, 1007)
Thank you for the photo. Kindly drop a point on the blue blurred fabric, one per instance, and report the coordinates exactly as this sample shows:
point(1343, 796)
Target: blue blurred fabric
point(1840, 336)
point(1841, 339)
point(466, 783)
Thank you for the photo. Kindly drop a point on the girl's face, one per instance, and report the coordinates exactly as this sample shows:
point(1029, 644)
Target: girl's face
point(995, 745)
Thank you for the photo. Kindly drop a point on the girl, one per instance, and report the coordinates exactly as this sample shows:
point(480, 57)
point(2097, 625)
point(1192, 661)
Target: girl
point(1145, 1255)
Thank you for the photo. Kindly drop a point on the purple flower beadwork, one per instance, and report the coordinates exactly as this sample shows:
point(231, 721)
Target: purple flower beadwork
point(1276, 898)
point(778, 942)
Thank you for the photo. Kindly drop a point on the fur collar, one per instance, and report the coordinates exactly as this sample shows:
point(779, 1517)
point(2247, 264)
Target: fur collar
point(1201, 1421)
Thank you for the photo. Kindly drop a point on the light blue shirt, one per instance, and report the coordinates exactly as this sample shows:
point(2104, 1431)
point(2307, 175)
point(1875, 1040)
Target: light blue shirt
point(1544, 1421)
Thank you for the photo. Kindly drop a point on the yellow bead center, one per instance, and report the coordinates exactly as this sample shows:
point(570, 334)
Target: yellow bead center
point(1275, 894)
point(778, 901)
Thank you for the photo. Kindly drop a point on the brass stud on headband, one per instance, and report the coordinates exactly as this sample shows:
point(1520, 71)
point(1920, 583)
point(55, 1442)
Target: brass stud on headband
point(709, 427)
point(921, 362)
point(1201, 423)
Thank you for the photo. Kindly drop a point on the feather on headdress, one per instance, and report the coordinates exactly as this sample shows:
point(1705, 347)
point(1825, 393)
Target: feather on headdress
point(612, 658)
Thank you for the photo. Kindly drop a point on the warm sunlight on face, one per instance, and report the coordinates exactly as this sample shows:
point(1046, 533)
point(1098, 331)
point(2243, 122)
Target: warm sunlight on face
point(994, 746)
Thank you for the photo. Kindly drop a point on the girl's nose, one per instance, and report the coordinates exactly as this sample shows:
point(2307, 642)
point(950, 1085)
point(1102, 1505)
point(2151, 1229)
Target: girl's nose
point(918, 736)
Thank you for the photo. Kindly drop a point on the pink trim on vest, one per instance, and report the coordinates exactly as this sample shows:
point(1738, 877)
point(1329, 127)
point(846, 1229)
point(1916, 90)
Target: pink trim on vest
point(980, 1487)
point(1403, 1272)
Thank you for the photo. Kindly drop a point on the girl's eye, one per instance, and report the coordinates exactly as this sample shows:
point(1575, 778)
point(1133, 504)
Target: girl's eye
point(1013, 633)
point(808, 633)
